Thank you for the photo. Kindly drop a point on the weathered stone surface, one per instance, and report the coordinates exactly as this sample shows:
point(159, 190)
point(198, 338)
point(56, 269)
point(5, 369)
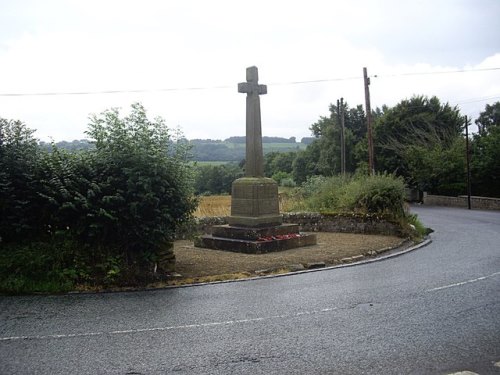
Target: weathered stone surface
point(314, 265)
point(296, 267)
point(315, 222)
point(254, 247)
point(254, 162)
point(254, 202)
point(352, 259)
point(286, 268)
point(253, 234)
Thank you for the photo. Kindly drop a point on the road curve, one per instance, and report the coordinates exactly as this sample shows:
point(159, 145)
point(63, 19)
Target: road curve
point(435, 310)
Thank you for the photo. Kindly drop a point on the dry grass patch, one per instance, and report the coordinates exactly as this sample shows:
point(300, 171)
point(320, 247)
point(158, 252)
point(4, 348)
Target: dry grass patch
point(192, 262)
point(220, 205)
point(214, 205)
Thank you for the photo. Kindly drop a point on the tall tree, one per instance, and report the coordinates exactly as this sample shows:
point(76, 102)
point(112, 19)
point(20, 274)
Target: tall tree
point(418, 123)
point(327, 130)
point(485, 159)
point(489, 118)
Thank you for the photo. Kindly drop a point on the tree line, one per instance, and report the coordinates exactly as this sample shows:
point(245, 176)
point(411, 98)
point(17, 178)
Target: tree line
point(419, 139)
point(231, 149)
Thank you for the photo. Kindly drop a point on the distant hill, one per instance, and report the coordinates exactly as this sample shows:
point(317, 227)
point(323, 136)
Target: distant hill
point(230, 149)
point(233, 148)
point(265, 139)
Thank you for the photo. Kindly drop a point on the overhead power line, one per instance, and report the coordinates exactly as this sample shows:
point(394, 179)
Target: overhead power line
point(478, 99)
point(435, 73)
point(116, 91)
point(173, 89)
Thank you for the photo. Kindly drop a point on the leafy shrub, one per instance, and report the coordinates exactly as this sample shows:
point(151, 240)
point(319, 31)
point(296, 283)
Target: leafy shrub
point(106, 212)
point(141, 185)
point(288, 183)
point(19, 168)
point(37, 267)
point(284, 179)
point(380, 194)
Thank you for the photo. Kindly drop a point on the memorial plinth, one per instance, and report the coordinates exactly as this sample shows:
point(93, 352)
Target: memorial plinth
point(255, 224)
point(255, 202)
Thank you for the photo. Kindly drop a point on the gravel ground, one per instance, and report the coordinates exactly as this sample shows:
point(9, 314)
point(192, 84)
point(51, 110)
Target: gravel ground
point(332, 248)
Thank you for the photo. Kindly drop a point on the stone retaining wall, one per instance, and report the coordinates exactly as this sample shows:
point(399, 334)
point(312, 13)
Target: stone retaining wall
point(480, 203)
point(314, 222)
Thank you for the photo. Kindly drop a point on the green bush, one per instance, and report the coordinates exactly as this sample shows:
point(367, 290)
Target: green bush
point(19, 169)
point(288, 183)
point(283, 179)
point(38, 267)
point(380, 195)
point(103, 215)
point(59, 264)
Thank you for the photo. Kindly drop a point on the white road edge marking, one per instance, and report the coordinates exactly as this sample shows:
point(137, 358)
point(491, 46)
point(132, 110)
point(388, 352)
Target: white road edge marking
point(169, 328)
point(463, 282)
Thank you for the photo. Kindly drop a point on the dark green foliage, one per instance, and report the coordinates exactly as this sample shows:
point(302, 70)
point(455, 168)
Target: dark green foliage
point(488, 119)
point(19, 169)
point(438, 170)
point(275, 162)
point(109, 212)
point(419, 123)
point(57, 264)
point(306, 163)
point(485, 158)
point(142, 189)
point(47, 266)
point(216, 179)
point(328, 131)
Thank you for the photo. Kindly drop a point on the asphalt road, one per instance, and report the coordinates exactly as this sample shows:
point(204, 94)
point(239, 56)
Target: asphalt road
point(435, 310)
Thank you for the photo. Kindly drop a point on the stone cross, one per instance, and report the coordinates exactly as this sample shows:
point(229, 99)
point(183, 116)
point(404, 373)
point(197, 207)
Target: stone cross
point(254, 165)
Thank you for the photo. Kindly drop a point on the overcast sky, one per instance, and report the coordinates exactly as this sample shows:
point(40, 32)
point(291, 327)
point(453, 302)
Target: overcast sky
point(65, 46)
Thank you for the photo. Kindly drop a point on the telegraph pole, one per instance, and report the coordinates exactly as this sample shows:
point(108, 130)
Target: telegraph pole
point(371, 162)
point(338, 123)
point(342, 137)
point(467, 158)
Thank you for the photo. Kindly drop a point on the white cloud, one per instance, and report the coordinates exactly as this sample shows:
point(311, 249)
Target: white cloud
point(124, 45)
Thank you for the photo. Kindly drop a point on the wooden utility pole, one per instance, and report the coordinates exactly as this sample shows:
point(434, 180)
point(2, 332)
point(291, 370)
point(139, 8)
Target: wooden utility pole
point(371, 162)
point(338, 124)
point(342, 137)
point(467, 158)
